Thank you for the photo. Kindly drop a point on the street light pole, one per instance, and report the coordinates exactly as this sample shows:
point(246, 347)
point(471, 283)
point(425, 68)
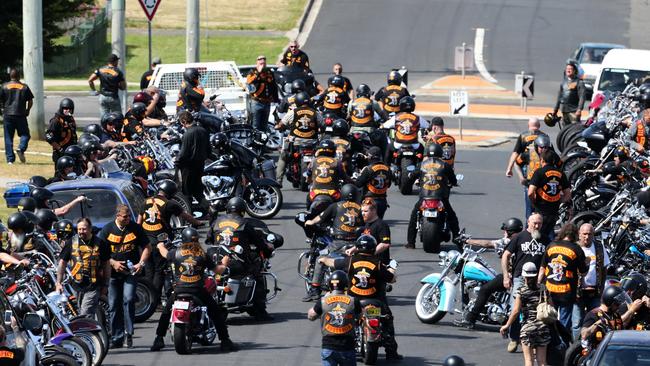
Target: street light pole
point(118, 44)
point(33, 63)
point(192, 32)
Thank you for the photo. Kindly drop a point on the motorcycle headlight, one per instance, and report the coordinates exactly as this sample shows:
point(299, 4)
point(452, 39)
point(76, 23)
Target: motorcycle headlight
point(453, 256)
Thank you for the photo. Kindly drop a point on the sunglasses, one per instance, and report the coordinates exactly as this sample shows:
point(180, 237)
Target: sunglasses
point(261, 59)
point(292, 47)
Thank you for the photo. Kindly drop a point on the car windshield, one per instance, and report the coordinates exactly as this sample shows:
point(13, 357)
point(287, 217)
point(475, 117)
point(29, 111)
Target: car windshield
point(616, 80)
point(100, 207)
point(625, 355)
point(593, 55)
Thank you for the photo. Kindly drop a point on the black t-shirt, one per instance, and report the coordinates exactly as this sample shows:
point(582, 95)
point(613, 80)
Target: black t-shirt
point(14, 96)
point(563, 261)
point(525, 249)
point(549, 182)
point(146, 77)
point(109, 80)
point(640, 320)
point(134, 240)
point(339, 343)
point(104, 249)
point(11, 356)
point(614, 320)
point(200, 261)
point(380, 230)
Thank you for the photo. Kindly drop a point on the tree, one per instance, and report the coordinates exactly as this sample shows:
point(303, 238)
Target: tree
point(55, 13)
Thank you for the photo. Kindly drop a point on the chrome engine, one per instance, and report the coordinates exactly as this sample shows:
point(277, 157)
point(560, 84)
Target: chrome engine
point(216, 187)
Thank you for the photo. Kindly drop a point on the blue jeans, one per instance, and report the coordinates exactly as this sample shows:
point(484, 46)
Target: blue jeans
point(260, 112)
point(515, 328)
point(564, 313)
point(528, 204)
point(338, 358)
point(121, 305)
point(15, 124)
point(109, 104)
point(584, 304)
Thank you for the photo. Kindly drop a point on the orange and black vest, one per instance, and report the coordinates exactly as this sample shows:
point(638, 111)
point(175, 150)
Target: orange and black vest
point(131, 128)
point(62, 131)
point(613, 321)
point(379, 182)
point(190, 97)
point(407, 126)
point(641, 137)
point(228, 230)
point(189, 263)
point(448, 144)
point(393, 94)
point(305, 123)
point(338, 317)
point(534, 161)
point(347, 220)
point(362, 113)
point(364, 276)
point(434, 182)
point(263, 83)
point(334, 98)
point(85, 261)
point(342, 147)
point(325, 174)
point(152, 221)
point(551, 190)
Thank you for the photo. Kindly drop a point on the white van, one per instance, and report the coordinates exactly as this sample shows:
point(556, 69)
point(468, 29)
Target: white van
point(620, 67)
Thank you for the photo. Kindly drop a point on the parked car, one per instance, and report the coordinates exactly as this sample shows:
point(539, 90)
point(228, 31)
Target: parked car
point(590, 57)
point(621, 67)
point(625, 347)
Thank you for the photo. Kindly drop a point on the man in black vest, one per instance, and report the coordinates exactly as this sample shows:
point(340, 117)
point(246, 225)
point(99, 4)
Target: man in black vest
point(111, 81)
point(16, 100)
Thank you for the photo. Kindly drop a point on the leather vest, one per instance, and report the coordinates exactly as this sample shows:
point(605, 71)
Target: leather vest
point(342, 147)
point(338, 314)
point(570, 97)
point(379, 182)
point(190, 98)
point(433, 182)
point(393, 95)
point(407, 126)
point(189, 264)
point(305, 123)
point(550, 191)
point(364, 276)
point(534, 161)
point(347, 220)
point(85, 261)
point(152, 215)
point(333, 98)
point(641, 137)
point(325, 173)
point(362, 114)
point(448, 144)
point(227, 230)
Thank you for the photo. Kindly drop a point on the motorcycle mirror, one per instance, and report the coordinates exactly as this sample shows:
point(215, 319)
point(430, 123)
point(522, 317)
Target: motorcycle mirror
point(393, 264)
point(460, 177)
point(238, 249)
point(213, 97)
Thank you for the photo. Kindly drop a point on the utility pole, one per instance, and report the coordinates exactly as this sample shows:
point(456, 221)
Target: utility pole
point(118, 41)
point(33, 63)
point(192, 32)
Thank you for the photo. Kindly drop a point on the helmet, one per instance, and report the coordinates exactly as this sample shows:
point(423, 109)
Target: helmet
point(37, 181)
point(26, 204)
point(63, 163)
point(236, 205)
point(219, 140)
point(551, 120)
point(66, 103)
point(349, 192)
point(643, 198)
point(453, 361)
point(302, 99)
point(168, 186)
point(366, 244)
point(338, 281)
point(142, 97)
point(644, 88)
point(340, 127)
point(326, 148)
point(614, 295)
point(189, 235)
point(18, 221)
point(190, 75)
point(94, 129)
point(337, 81)
point(73, 151)
point(407, 104)
point(635, 284)
point(138, 110)
point(434, 151)
point(112, 119)
point(41, 195)
point(621, 153)
point(298, 86)
point(90, 146)
point(85, 137)
point(363, 90)
point(512, 225)
point(394, 78)
point(645, 99)
point(542, 141)
point(64, 229)
point(46, 218)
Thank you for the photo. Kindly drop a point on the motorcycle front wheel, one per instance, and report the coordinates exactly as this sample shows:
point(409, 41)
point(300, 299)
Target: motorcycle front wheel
point(264, 202)
point(58, 359)
point(573, 355)
point(370, 351)
point(95, 344)
point(426, 304)
point(78, 350)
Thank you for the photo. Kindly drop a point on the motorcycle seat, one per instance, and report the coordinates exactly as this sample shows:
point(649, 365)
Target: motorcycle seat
point(374, 302)
point(187, 296)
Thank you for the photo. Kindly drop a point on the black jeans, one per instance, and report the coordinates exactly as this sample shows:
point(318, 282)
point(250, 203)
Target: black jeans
point(487, 289)
point(452, 220)
point(382, 206)
point(192, 185)
point(154, 271)
point(548, 225)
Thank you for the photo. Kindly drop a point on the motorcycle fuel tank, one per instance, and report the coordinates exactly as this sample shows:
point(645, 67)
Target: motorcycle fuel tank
point(477, 272)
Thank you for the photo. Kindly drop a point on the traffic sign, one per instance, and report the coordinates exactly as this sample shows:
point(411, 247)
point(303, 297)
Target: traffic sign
point(149, 7)
point(458, 103)
point(528, 87)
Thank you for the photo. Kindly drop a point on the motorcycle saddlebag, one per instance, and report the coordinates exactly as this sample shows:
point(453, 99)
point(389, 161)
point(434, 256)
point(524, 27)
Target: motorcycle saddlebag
point(240, 290)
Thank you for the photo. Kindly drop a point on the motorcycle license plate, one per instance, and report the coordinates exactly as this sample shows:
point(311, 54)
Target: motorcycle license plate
point(430, 213)
point(407, 153)
point(307, 159)
point(182, 305)
point(373, 311)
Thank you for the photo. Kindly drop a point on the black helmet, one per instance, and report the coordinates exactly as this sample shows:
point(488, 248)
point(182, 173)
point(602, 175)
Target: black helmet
point(219, 140)
point(168, 186)
point(94, 129)
point(66, 103)
point(349, 192)
point(89, 146)
point(643, 198)
point(190, 75)
point(26, 204)
point(512, 226)
point(635, 284)
point(622, 153)
point(551, 120)
point(138, 110)
point(236, 205)
point(41, 195)
point(73, 151)
point(542, 141)
point(302, 99)
point(85, 137)
point(46, 218)
point(394, 78)
point(366, 244)
point(453, 361)
point(644, 88)
point(298, 86)
point(37, 181)
point(18, 221)
point(645, 99)
point(63, 163)
point(434, 151)
point(340, 127)
point(326, 148)
point(113, 119)
point(189, 235)
point(337, 81)
point(614, 295)
point(64, 229)
point(407, 104)
point(338, 281)
point(363, 90)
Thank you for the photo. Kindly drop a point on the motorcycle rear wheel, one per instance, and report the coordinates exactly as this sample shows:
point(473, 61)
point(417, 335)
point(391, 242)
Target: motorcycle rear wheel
point(405, 185)
point(431, 236)
point(426, 304)
point(266, 205)
point(371, 349)
point(182, 339)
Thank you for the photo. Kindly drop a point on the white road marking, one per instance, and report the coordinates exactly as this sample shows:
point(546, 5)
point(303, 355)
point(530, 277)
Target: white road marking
point(478, 55)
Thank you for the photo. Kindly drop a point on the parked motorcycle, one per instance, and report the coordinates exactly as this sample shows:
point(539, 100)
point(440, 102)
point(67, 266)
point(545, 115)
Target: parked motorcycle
point(190, 322)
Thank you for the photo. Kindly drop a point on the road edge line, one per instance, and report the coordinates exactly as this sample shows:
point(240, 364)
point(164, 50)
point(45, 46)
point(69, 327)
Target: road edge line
point(478, 55)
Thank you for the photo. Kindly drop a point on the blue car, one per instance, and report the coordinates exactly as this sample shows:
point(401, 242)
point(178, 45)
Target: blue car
point(622, 348)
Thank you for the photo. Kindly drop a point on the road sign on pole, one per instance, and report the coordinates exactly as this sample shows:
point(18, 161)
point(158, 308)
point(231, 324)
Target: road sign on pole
point(458, 103)
point(528, 87)
point(149, 7)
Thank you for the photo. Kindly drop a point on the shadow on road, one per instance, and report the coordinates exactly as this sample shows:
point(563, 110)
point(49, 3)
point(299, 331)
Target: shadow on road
point(243, 319)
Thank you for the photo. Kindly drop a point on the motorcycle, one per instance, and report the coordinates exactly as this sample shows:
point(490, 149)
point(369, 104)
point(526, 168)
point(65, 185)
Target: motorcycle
point(299, 158)
point(190, 322)
point(319, 243)
point(432, 223)
point(368, 333)
point(405, 160)
point(437, 295)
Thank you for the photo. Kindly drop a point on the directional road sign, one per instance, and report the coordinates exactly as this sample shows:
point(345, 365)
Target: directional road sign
point(149, 7)
point(458, 103)
point(528, 87)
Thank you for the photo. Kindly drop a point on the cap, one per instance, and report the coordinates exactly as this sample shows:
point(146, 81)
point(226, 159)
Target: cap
point(113, 57)
point(156, 61)
point(261, 57)
point(529, 270)
point(437, 121)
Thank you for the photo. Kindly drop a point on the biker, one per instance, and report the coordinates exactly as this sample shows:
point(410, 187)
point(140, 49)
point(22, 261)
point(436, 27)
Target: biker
point(191, 93)
point(621, 168)
point(447, 142)
point(335, 98)
point(20, 227)
point(155, 221)
point(42, 197)
point(547, 189)
point(636, 287)
point(64, 230)
point(326, 173)
point(453, 360)
point(75, 152)
point(375, 179)
point(364, 115)
point(94, 129)
point(156, 110)
point(64, 170)
point(436, 179)
point(111, 127)
point(389, 96)
point(571, 96)
point(408, 127)
point(62, 129)
point(340, 313)
point(529, 159)
point(510, 227)
point(133, 126)
point(91, 151)
point(605, 318)
point(346, 219)
point(289, 101)
point(12, 356)
point(303, 122)
point(639, 133)
point(45, 219)
point(26, 204)
point(340, 137)
point(337, 69)
point(188, 263)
